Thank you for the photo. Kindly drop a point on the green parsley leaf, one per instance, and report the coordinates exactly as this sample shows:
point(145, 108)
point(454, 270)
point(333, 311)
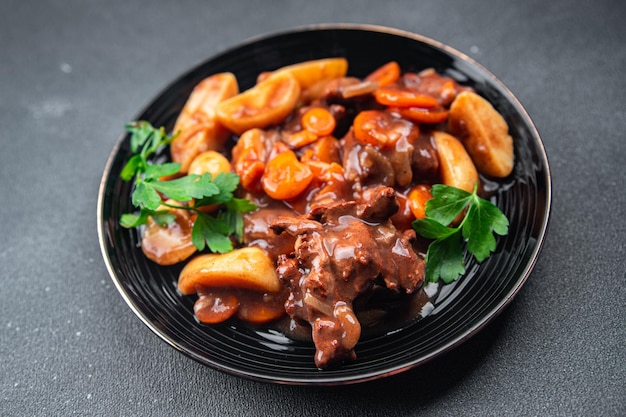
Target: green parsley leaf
point(163, 217)
point(129, 220)
point(445, 258)
point(447, 203)
point(140, 132)
point(134, 164)
point(146, 196)
point(187, 188)
point(153, 172)
point(209, 230)
point(227, 183)
point(233, 220)
point(233, 215)
point(432, 229)
point(483, 218)
point(241, 205)
point(146, 139)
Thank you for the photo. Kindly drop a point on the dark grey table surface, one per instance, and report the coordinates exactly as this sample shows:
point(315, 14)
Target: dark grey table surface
point(72, 72)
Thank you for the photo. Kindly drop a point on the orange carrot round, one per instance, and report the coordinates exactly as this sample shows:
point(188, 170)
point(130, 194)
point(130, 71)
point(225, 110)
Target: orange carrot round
point(418, 197)
point(215, 308)
point(386, 74)
point(300, 138)
point(394, 96)
point(261, 308)
point(382, 129)
point(319, 121)
point(326, 149)
point(285, 177)
point(420, 115)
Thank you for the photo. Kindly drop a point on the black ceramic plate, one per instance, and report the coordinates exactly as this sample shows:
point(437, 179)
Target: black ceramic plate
point(265, 354)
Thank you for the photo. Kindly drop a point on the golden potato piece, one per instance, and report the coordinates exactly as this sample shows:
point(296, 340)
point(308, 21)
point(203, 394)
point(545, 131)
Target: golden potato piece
point(196, 139)
point(484, 133)
point(456, 166)
point(171, 244)
point(197, 123)
point(247, 268)
point(263, 105)
point(206, 95)
point(212, 162)
point(312, 72)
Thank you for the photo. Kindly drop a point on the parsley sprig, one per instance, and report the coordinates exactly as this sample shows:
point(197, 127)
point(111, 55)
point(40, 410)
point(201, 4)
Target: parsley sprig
point(192, 191)
point(445, 256)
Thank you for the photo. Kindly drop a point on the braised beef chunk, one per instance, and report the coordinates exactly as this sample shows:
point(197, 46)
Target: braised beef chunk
point(341, 249)
point(430, 82)
point(256, 225)
point(365, 164)
point(425, 161)
point(378, 204)
point(391, 165)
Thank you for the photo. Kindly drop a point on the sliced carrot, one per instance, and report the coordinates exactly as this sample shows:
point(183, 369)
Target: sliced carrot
point(326, 172)
point(386, 74)
point(325, 149)
point(277, 148)
point(382, 129)
point(418, 197)
point(420, 115)
point(262, 308)
point(260, 313)
point(285, 177)
point(213, 308)
point(250, 174)
point(248, 157)
point(319, 121)
point(300, 138)
point(395, 96)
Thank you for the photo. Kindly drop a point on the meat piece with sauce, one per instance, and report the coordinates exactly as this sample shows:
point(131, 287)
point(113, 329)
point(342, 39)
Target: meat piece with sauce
point(341, 249)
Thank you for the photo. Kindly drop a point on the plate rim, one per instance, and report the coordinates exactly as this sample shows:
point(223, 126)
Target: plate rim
point(365, 376)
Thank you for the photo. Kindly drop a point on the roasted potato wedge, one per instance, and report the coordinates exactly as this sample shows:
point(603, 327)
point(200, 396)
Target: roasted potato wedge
point(456, 166)
point(200, 106)
point(265, 104)
point(484, 133)
point(198, 127)
point(170, 244)
point(248, 268)
point(210, 161)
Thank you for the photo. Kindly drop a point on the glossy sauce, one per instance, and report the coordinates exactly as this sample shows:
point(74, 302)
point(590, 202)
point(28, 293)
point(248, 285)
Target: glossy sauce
point(345, 252)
